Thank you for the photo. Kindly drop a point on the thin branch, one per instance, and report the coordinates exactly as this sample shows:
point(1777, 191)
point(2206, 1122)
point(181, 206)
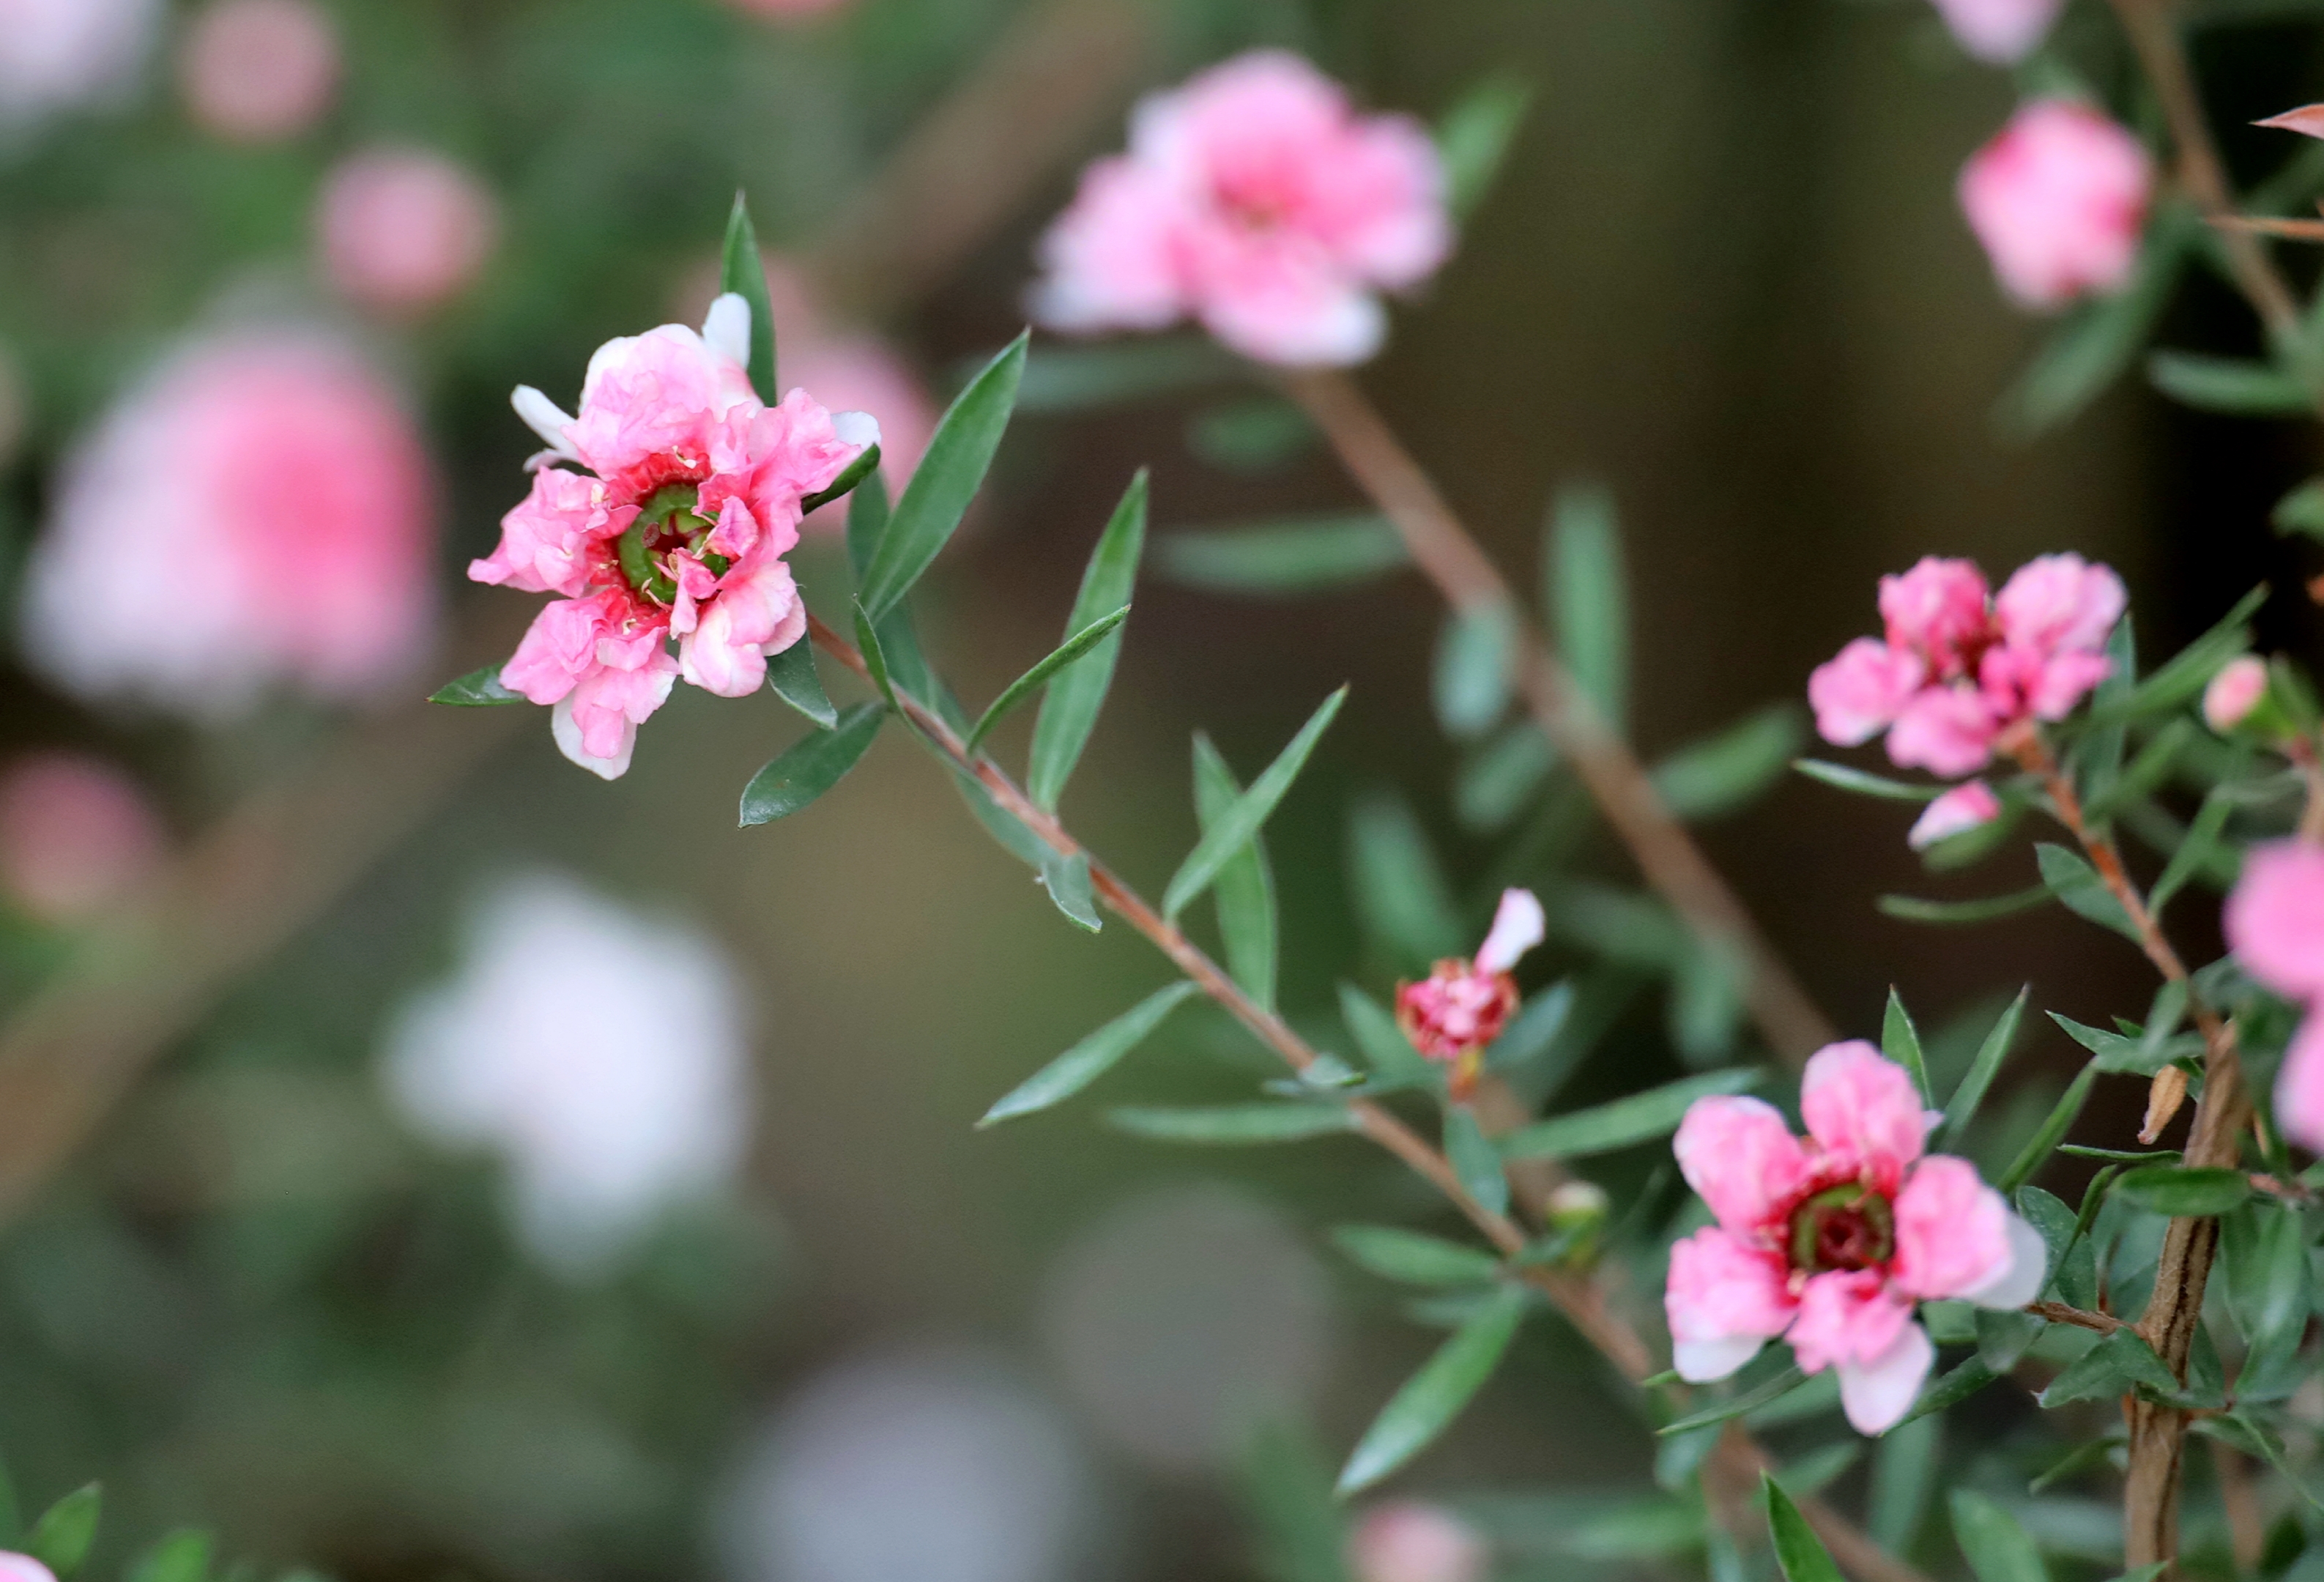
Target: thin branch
point(2059, 1312)
point(1449, 555)
point(1581, 1300)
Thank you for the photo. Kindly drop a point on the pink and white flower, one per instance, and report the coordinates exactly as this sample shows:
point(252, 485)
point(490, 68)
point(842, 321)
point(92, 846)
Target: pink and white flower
point(2059, 200)
point(1256, 201)
point(2000, 32)
point(678, 530)
point(2235, 692)
point(1967, 807)
point(1956, 670)
point(1456, 1012)
point(1830, 1241)
point(404, 230)
point(2274, 923)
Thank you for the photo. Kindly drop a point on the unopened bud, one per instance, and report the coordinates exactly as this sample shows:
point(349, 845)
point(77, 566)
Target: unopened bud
point(2235, 693)
point(1577, 1205)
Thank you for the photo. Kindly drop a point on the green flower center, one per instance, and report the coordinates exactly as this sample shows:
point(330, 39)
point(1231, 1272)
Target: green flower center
point(1847, 1226)
point(667, 521)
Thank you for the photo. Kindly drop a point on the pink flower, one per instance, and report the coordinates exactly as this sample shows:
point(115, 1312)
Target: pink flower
point(680, 534)
point(1947, 730)
point(259, 71)
point(16, 1568)
point(1254, 200)
point(1963, 808)
point(2059, 603)
point(2275, 917)
point(2000, 32)
point(2235, 692)
point(260, 513)
point(1409, 1542)
point(1830, 1241)
point(58, 55)
point(786, 10)
point(1462, 1006)
point(1937, 611)
point(76, 836)
point(2059, 199)
point(403, 229)
point(1859, 695)
point(850, 369)
point(2299, 1086)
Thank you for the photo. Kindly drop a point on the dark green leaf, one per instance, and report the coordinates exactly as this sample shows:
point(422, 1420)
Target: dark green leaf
point(791, 674)
point(1721, 773)
point(1414, 1259)
point(2114, 1367)
point(2189, 671)
point(1783, 1383)
point(61, 1538)
point(1914, 909)
point(1250, 813)
point(1532, 1030)
point(1904, 1478)
point(1070, 708)
point(2097, 340)
point(1499, 778)
point(1025, 685)
point(1256, 434)
point(2202, 840)
point(1090, 1059)
point(2053, 1131)
point(745, 272)
point(1590, 599)
point(1001, 825)
point(2265, 1256)
point(1900, 1041)
point(1233, 1124)
point(875, 657)
point(2301, 511)
point(2228, 384)
point(1474, 138)
point(1846, 780)
point(183, 1555)
point(1800, 1554)
point(1068, 880)
point(1624, 1122)
point(1989, 1056)
point(1997, 1547)
point(949, 475)
point(2002, 1338)
point(1295, 556)
point(12, 1519)
point(1078, 379)
point(2181, 1193)
point(2075, 882)
point(1244, 892)
point(812, 765)
point(1435, 1395)
point(851, 477)
point(1474, 1160)
point(2120, 1055)
point(2048, 1214)
point(1400, 892)
point(1474, 657)
point(475, 690)
point(1950, 1391)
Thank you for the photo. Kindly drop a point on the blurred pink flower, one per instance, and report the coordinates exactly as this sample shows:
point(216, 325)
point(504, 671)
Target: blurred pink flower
point(850, 369)
point(261, 512)
point(1462, 1006)
point(1963, 808)
point(1407, 1541)
point(1999, 32)
point(786, 10)
point(76, 836)
point(1256, 201)
point(16, 1568)
point(681, 533)
point(2058, 199)
point(259, 71)
point(2235, 692)
point(1957, 671)
point(2274, 923)
point(404, 230)
point(60, 55)
point(1830, 1241)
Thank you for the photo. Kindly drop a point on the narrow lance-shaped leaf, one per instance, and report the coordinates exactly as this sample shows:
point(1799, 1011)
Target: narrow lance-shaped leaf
point(745, 272)
point(1069, 709)
point(1090, 1059)
point(1393, 1059)
point(1990, 1056)
point(1068, 880)
point(1590, 599)
point(811, 766)
point(2183, 1194)
point(1843, 777)
point(63, 1535)
point(1956, 913)
point(1904, 1477)
point(1474, 138)
point(902, 664)
point(1414, 1258)
point(1900, 1041)
point(2053, 1131)
point(850, 477)
point(1473, 663)
point(1722, 772)
point(1025, 685)
point(1244, 891)
point(1800, 1554)
point(1998, 1547)
point(1434, 1396)
point(1303, 555)
point(1475, 1160)
point(2076, 883)
point(2097, 340)
point(2228, 384)
point(1250, 813)
point(950, 473)
point(1623, 1122)
point(1401, 896)
point(1772, 1390)
point(183, 1555)
point(1232, 1125)
point(791, 675)
point(479, 688)
point(2110, 1368)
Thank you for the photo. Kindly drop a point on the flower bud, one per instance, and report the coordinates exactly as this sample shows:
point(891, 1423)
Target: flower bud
point(2058, 199)
point(2237, 693)
point(1577, 1205)
point(1965, 807)
point(1409, 1542)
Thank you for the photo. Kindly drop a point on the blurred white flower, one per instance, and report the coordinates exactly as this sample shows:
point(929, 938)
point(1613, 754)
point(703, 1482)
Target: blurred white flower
point(60, 54)
point(938, 1466)
point(603, 1051)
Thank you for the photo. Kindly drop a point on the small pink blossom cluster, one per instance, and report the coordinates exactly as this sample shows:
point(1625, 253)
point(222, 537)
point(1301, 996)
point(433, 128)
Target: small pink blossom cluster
point(1999, 32)
point(1831, 1241)
point(1462, 1005)
point(2059, 200)
point(2275, 926)
point(1957, 671)
point(1407, 1541)
point(1254, 200)
point(404, 230)
point(680, 533)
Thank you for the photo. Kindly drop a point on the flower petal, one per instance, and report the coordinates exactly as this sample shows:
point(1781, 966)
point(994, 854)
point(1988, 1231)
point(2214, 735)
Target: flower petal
point(1876, 1394)
point(2028, 1270)
point(1740, 1155)
point(1861, 1108)
point(1518, 926)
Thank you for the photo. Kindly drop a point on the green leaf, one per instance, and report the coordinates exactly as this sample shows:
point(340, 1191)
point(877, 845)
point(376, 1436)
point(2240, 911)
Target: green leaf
point(1402, 899)
point(1435, 1395)
point(1900, 1041)
point(1499, 778)
point(1080, 378)
point(1843, 777)
point(2202, 840)
point(875, 657)
point(1749, 1401)
point(1967, 1097)
point(950, 473)
point(1023, 687)
point(1589, 599)
point(2189, 671)
point(1251, 434)
point(1090, 1059)
point(1244, 892)
point(2265, 1255)
point(1624, 1122)
point(1914, 909)
point(1070, 708)
point(2228, 384)
point(2114, 1367)
point(1474, 138)
point(1474, 1160)
point(1998, 1549)
point(850, 477)
point(1001, 825)
point(2301, 511)
point(1411, 1258)
point(477, 689)
point(2119, 1055)
point(1800, 1554)
point(1531, 1034)
point(12, 1520)
point(2097, 340)
point(1723, 772)
point(1293, 555)
point(745, 272)
point(183, 1555)
point(2053, 1131)
point(2075, 882)
point(1904, 1477)
point(1475, 655)
point(1950, 1391)
point(812, 765)
point(1250, 813)
point(2183, 1194)
point(1068, 880)
point(791, 674)
point(1386, 1049)
point(63, 1535)
point(1232, 1125)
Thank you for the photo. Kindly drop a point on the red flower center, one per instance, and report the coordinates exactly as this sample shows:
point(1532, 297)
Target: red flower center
point(1847, 1226)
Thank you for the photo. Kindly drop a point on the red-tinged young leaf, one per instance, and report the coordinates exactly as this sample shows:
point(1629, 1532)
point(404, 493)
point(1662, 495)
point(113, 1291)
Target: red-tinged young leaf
point(2308, 121)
